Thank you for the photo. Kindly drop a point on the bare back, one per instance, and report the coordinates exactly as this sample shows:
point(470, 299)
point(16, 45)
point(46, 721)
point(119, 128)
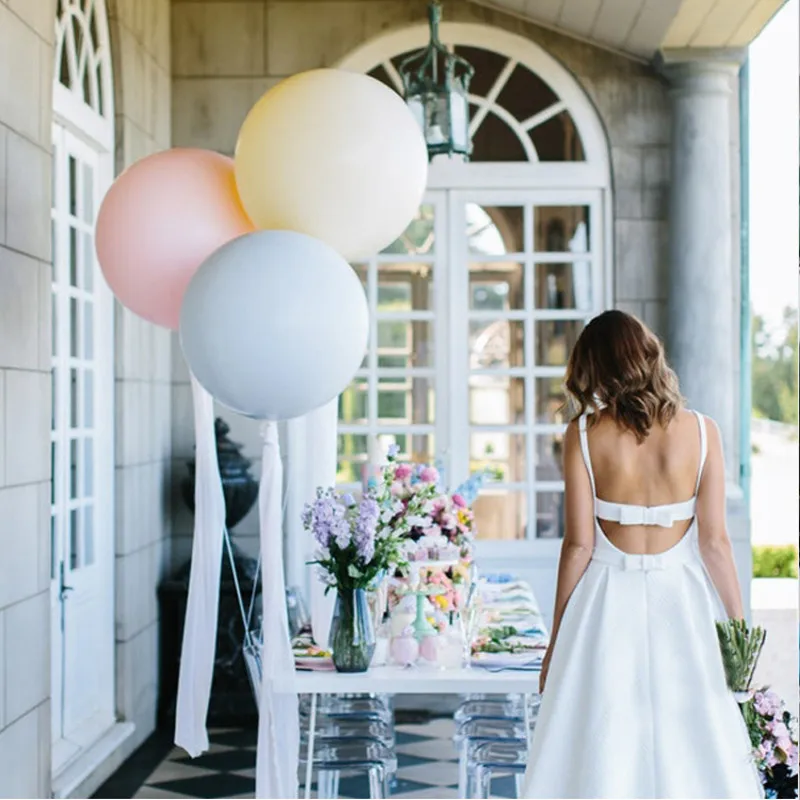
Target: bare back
point(661, 470)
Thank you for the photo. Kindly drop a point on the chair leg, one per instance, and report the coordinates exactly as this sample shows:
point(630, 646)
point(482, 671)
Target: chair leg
point(376, 782)
point(462, 770)
point(519, 780)
point(325, 787)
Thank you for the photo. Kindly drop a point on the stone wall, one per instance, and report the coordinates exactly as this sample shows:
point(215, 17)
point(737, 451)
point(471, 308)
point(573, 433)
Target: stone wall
point(26, 53)
point(141, 45)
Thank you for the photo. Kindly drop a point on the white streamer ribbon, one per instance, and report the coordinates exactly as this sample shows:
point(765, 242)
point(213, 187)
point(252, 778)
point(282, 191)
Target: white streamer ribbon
point(202, 606)
point(278, 718)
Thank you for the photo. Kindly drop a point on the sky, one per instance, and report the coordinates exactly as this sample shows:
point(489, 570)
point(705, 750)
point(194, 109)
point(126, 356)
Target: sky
point(774, 165)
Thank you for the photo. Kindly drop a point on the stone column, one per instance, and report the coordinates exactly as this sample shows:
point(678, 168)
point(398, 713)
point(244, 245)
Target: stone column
point(700, 325)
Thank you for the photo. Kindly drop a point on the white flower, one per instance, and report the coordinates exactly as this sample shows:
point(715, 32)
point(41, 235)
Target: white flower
point(417, 521)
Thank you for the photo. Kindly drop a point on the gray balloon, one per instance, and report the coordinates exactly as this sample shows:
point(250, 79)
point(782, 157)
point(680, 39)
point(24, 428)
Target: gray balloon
point(274, 324)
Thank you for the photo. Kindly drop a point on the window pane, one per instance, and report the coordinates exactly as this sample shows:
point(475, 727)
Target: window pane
point(353, 402)
point(73, 327)
point(88, 398)
point(88, 330)
point(74, 534)
point(413, 447)
point(73, 257)
point(501, 514)
point(54, 472)
point(53, 539)
point(549, 457)
point(549, 515)
point(555, 340)
point(73, 469)
point(499, 343)
point(494, 231)
point(73, 399)
point(558, 139)
point(419, 236)
point(353, 451)
point(502, 455)
point(88, 193)
point(72, 186)
point(88, 467)
point(564, 286)
point(403, 343)
point(405, 401)
point(496, 400)
point(88, 262)
point(550, 400)
point(88, 535)
point(561, 229)
point(405, 287)
point(497, 286)
point(54, 326)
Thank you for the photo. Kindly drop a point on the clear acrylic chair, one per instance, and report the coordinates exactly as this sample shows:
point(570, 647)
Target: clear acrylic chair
point(473, 733)
point(491, 759)
point(334, 757)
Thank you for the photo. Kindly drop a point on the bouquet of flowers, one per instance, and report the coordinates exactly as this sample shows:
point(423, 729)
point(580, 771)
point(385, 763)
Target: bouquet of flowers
point(435, 524)
point(353, 548)
point(740, 647)
point(773, 735)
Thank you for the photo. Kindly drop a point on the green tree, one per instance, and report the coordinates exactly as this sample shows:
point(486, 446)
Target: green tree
point(775, 364)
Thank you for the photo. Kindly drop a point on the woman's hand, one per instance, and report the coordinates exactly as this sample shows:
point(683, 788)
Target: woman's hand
point(545, 668)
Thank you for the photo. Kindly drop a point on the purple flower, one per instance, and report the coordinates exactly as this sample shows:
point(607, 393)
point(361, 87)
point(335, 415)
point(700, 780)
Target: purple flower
point(325, 518)
point(365, 527)
point(348, 500)
point(393, 451)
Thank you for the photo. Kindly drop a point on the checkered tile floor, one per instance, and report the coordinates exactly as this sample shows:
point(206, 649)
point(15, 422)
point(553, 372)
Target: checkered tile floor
point(426, 768)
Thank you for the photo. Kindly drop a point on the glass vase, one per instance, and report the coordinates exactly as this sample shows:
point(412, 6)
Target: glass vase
point(352, 637)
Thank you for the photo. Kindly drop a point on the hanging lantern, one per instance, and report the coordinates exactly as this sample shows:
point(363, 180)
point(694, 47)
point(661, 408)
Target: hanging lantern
point(436, 89)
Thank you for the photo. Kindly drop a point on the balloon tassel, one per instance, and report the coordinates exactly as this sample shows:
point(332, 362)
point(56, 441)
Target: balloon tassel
point(202, 606)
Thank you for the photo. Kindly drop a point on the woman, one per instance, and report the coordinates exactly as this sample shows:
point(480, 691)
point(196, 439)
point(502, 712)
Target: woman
point(634, 701)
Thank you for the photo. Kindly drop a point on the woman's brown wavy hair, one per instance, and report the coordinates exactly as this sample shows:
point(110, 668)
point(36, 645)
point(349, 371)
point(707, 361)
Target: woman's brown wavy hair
point(618, 367)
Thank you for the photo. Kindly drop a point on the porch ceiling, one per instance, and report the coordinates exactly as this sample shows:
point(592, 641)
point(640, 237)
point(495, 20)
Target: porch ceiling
point(642, 28)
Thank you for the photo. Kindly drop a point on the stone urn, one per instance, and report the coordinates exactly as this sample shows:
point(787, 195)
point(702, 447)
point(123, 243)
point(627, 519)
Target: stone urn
point(238, 485)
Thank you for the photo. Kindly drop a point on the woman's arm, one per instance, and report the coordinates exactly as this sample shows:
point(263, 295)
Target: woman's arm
point(576, 549)
point(715, 545)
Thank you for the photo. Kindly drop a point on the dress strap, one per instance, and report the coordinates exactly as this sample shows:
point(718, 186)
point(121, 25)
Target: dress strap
point(701, 421)
point(585, 450)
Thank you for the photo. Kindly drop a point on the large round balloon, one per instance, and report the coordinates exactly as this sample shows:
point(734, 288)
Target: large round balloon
point(274, 324)
point(333, 154)
point(161, 218)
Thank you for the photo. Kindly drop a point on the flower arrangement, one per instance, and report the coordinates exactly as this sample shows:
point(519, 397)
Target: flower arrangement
point(435, 524)
point(353, 548)
point(773, 735)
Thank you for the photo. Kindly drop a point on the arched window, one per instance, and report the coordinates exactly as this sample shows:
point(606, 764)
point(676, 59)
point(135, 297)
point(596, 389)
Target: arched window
point(476, 307)
point(82, 430)
point(514, 114)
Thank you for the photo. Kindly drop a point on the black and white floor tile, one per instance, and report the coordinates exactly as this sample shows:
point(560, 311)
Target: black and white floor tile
point(427, 767)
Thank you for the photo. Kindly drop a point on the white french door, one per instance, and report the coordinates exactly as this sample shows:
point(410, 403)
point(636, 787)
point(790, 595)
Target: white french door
point(474, 312)
point(82, 563)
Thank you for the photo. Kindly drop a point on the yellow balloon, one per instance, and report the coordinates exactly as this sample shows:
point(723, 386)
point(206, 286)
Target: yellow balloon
point(333, 154)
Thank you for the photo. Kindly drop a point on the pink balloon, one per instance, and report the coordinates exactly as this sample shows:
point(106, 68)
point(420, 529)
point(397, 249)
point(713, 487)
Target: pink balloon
point(161, 218)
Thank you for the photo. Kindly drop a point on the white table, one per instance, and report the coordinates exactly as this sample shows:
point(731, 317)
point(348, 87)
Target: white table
point(410, 680)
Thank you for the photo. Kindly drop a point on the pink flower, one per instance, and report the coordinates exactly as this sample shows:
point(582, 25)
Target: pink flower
point(397, 488)
point(459, 501)
point(779, 730)
point(402, 471)
point(785, 744)
point(428, 475)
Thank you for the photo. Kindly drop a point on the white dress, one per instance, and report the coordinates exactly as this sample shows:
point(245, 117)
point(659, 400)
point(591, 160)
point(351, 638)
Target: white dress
point(636, 704)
